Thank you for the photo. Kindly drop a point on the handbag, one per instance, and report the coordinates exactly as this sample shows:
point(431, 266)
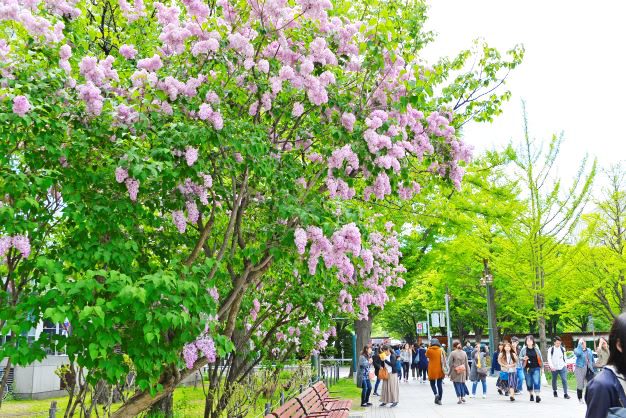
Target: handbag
point(460, 369)
point(504, 376)
point(383, 374)
point(589, 375)
point(372, 375)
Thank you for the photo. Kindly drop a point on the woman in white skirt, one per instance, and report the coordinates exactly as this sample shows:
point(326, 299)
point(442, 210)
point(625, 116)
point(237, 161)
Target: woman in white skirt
point(391, 390)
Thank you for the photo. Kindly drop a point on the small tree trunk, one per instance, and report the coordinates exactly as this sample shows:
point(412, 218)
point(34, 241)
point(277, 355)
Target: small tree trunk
point(363, 330)
point(5, 379)
point(164, 406)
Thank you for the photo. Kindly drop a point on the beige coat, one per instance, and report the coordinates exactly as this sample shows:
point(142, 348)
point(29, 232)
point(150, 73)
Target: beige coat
point(458, 358)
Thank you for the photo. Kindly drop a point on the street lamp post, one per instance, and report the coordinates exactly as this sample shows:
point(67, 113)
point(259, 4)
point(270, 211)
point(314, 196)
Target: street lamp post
point(487, 281)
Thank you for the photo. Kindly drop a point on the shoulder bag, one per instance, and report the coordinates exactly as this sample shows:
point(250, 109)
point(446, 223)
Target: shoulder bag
point(383, 374)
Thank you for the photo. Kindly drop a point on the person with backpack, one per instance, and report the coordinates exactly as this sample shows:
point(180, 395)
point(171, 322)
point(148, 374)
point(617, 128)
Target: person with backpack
point(478, 370)
point(558, 367)
point(606, 393)
point(585, 370)
point(422, 364)
point(532, 363)
point(436, 368)
point(377, 363)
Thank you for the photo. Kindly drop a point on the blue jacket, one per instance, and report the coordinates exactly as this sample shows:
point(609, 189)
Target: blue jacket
point(495, 366)
point(580, 356)
point(422, 360)
point(604, 392)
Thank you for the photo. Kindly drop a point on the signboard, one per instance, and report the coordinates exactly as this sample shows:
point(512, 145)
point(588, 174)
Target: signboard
point(434, 319)
point(419, 327)
point(438, 319)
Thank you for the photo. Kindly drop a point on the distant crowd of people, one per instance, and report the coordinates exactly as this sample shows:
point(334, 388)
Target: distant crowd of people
point(600, 382)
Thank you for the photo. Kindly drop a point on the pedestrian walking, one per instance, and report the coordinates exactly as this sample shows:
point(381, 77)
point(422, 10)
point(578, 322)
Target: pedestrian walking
point(584, 370)
point(406, 355)
point(377, 363)
point(520, 367)
point(391, 389)
point(458, 370)
point(415, 362)
point(608, 389)
point(603, 353)
point(478, 370)
point(422, 364)
point(436, 368)
point(468, 351)
point(558, 367)
point(508, 375)
point(533, 362)
point(365, 361)
point(496, 368)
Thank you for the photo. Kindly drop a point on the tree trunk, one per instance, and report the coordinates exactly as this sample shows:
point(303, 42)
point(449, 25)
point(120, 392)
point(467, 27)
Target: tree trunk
point(164, 407)
point(363, 330)
point(5, 379)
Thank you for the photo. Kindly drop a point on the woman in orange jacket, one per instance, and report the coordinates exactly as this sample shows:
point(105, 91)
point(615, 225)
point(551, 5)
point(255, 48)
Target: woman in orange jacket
point(436, 368)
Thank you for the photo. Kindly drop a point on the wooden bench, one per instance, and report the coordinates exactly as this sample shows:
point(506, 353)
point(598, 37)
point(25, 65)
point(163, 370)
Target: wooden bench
point(313, 402)
point(328, 401)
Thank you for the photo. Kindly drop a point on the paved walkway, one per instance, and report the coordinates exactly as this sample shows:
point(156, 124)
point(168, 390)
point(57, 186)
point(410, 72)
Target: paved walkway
point(417, 400)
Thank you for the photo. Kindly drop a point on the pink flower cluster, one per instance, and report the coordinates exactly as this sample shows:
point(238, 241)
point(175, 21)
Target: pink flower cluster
point(256, 308)
point(21, 105)
point(20, 242)
point(189, 189)
point(205, 345)
point(335, 251)
point(207, 113)
point(132, 185)
point(128, 51)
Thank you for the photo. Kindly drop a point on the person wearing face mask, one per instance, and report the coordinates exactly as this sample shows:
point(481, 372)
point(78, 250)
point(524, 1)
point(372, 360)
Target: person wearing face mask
point(584, 370)
point(608, 389)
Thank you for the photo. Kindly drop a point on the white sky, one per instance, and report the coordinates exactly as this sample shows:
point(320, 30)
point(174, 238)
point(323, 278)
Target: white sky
point(572, 77)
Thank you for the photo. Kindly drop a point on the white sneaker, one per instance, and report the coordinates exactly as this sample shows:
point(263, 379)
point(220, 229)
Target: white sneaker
point(484, 396)
point(472, 396)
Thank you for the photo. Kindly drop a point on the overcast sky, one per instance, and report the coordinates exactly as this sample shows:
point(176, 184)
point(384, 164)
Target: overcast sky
point(572, 77)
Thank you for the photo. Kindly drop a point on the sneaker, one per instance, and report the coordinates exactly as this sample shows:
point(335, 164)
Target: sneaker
point(459, 402)
point(393, 405)
point(500, 392)
point(382, 404)
point(556, 395)
point(512, 398)
point(484, 396)
point(472, 396)
point(369, 404)
point(363, 405)
point(538, 399)
point(566, 396)
point(376, 394)
point(581, 401)
point(463, 400)
point(532, 398)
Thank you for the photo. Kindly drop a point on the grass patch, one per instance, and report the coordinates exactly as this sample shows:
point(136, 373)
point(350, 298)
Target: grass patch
point(347, 389)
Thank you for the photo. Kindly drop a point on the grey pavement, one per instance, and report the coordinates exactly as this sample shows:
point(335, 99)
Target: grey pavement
point(417, 400)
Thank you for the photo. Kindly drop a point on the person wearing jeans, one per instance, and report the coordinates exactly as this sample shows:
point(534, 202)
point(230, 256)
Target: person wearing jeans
point(478, 370)
point(377, 363)
point(365, 361)
point(556, 361)
point(519, 369)
point(436, 373)
point(532, 362)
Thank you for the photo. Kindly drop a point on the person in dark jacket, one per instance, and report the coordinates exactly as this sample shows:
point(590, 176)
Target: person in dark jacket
point(377, 363)
point(608, 389)
point(422, 364)
point(495, 366)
